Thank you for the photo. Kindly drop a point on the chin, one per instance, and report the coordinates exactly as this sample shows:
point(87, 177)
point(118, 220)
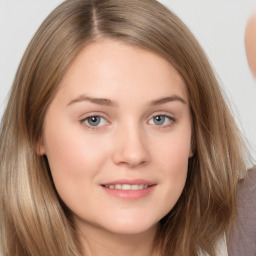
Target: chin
point(129, 226)
point(132, 230)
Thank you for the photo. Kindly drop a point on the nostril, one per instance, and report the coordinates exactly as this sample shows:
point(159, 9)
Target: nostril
point(131, 148)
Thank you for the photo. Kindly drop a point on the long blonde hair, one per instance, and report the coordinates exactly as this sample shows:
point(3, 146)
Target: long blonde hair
point(34, 221)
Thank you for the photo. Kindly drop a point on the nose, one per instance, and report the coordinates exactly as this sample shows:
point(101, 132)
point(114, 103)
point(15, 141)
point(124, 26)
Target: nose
point(130, 148)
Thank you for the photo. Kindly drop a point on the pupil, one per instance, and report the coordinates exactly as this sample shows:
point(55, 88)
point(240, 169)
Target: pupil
point(94, 120)
point(159, 120)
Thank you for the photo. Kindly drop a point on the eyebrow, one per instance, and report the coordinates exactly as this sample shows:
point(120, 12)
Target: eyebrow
point(107, 102)
point(99, 101)
point(168, 99)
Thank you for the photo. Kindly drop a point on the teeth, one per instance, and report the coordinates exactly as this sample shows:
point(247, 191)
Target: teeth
point(118, 186)
point(127, 186)
point(135, 187)
point(141, 186)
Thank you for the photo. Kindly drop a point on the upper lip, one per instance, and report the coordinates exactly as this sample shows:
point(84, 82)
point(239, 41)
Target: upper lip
point(130, 182)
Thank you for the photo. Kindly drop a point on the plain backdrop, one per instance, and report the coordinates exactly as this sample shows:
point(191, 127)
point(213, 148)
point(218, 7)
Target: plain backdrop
point(218, 25)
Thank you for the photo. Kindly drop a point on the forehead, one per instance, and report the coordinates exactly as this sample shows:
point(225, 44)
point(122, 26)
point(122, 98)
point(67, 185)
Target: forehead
point(106, 65)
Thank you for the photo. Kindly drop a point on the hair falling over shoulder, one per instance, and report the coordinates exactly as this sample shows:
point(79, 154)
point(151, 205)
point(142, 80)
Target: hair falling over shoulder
point(34, 221)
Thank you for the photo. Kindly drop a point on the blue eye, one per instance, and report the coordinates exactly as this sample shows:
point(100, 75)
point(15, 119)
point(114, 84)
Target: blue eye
point(95, 121)
point(160, 120)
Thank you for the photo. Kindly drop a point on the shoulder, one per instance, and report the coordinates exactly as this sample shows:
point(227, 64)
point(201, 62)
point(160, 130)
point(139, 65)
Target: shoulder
point(242, 240)
point(248, 180)
point(246, 192)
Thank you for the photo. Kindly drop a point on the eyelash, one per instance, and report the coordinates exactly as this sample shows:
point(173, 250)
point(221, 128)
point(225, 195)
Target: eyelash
point(84, 121)
point(170, 122)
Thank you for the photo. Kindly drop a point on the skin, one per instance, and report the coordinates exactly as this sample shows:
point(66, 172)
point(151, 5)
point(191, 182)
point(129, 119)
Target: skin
point(127, 143)
point(250, 43)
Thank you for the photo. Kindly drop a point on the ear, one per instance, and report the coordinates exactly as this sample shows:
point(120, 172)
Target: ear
point(192, 147)
point(40, 147)
point(191, 153)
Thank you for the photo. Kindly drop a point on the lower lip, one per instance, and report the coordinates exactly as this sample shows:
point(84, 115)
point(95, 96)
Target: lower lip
point(129, 194)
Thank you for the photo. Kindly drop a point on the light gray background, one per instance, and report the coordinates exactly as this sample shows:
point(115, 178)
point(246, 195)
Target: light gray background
point(219, 26)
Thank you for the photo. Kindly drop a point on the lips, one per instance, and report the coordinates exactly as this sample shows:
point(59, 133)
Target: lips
point(129, 189)
point(127, 186)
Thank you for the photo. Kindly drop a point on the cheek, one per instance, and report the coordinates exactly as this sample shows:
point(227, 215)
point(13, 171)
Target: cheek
point(175, 168)
point(175, 149)
point(74, 160)
point(175, 175)
point(173, 158)
point(69, 150)
point(65, 154)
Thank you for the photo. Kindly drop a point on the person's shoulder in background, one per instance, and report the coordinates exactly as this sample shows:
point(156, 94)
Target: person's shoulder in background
point(250, 42)
point(242, 240)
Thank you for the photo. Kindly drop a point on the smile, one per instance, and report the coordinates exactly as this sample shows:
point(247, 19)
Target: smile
point(129, 189)
point(127, 186)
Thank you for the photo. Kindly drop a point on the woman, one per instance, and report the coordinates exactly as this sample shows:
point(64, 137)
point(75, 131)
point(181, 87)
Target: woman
point(116, 139)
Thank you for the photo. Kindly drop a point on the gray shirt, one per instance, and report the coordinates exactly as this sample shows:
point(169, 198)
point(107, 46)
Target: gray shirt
point(242, 240)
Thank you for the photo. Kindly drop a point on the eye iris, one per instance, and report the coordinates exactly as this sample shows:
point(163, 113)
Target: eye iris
point(159, 120)
point(94, 120)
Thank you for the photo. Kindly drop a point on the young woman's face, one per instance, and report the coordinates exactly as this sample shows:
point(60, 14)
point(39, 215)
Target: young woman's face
point(117, 137)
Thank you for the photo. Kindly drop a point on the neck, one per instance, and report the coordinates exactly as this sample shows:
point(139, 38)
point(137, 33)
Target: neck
point(99, 242)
